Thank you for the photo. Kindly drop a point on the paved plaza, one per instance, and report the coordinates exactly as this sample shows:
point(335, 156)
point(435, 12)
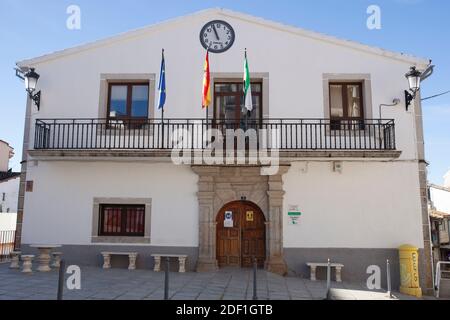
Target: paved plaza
point(226, 284)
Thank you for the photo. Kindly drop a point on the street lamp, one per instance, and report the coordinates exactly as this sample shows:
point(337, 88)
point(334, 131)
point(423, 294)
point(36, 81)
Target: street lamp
point(31, 79)
point(414, 78)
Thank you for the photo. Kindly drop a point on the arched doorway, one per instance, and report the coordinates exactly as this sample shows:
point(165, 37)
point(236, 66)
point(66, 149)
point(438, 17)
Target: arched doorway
point(243, 238)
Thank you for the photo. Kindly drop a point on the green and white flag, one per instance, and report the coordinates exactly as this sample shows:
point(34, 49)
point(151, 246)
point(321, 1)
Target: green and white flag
point(247, 86)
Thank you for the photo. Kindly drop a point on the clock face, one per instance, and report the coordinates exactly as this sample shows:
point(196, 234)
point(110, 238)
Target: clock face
point(217, 36)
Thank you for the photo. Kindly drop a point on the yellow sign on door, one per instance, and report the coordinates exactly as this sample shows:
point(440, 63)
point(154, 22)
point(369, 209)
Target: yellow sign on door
point(249, 215)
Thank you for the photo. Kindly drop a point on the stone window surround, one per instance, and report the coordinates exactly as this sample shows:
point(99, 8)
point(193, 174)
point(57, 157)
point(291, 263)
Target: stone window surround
point(106, 78)
point(237, 77)
point(366, 81)
point(95, 238)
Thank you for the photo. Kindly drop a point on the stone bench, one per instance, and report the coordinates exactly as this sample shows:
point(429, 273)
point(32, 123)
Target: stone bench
point(132, 256)
point(313, 266)
point(181, 260)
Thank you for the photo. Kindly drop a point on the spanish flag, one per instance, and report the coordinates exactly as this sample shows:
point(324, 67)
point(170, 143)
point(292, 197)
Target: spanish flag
point(206, 101)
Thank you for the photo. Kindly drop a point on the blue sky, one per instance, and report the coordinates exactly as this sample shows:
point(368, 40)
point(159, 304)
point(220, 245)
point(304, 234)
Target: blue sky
point(420, 27)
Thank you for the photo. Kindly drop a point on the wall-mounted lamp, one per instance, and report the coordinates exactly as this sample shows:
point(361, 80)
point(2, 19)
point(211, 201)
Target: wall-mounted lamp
point(414, 78)
point(31, 78)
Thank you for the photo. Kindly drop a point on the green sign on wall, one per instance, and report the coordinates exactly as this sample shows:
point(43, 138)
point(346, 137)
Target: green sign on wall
point(294, 214)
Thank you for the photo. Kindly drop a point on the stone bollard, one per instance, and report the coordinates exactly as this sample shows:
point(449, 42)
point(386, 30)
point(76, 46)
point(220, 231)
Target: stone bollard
point(15, 255)
point(27, 263)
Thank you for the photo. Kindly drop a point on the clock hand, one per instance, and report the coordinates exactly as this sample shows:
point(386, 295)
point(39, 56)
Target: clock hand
point(215, 31)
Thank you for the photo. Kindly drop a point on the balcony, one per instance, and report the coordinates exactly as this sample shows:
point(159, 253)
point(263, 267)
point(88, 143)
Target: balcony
point(292, 138)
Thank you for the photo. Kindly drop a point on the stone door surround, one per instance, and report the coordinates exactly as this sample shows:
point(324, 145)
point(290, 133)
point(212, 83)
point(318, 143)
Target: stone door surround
point(219, 185)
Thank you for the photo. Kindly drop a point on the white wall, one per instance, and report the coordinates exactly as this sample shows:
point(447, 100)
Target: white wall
point(368, 205)
point(11, 189)
point(447, 179)
point(59, 210)
point(5, 155)
point(440, 199)
point(295, 65)
point(8, 221)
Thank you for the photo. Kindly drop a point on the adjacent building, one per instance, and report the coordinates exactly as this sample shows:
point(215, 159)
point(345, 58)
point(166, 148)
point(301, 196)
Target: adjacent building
point(9, 192)
point(9, 180)
point(439, 207)
point(105, 171)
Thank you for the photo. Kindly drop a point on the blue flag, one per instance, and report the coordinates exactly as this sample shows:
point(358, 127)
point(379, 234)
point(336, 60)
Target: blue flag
point(162, 84)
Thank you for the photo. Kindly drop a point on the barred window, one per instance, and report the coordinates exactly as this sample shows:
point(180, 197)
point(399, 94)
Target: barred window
point(122, 220)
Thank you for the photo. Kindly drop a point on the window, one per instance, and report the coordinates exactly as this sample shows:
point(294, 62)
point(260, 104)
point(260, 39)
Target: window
point(3, 196)
point(346, 104)
point(122, 220)
point(229, 104)
point(128, 100)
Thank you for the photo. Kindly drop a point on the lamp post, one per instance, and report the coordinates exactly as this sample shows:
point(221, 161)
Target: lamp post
point(31, 78)
point(414, 78)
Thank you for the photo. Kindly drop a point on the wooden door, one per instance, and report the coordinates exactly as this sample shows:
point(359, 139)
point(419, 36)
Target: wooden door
point(229, 238)
point(253, 235)
point(238, 244)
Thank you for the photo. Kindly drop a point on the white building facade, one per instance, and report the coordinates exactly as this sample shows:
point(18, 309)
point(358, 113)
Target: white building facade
point(100, 176)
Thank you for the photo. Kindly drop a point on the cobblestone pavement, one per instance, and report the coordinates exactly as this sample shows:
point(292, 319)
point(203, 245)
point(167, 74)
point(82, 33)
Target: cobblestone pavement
point(121, 284)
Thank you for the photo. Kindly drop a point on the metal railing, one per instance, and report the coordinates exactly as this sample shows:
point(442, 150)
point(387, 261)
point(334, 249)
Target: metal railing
point(155, 134)
point(6, 244)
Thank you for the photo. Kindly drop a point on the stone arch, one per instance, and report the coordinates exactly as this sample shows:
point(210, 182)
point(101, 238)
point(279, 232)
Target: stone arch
point(220, 185)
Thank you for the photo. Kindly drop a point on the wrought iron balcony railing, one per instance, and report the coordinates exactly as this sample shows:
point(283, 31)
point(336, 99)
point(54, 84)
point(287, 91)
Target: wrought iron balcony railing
point(154, 134)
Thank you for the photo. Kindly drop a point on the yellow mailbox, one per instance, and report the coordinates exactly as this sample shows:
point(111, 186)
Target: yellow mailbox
point(409, 271)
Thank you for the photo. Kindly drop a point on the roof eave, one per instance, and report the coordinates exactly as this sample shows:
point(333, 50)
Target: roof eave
point(417, 61)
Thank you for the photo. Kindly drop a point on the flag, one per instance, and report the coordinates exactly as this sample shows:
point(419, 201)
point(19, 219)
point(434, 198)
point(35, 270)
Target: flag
point(162, 84)
point(247, 86)
point(206, 83)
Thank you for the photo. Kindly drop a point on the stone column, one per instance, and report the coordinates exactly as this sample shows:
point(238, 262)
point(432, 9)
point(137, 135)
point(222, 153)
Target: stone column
point(207, 224)
point(44, 260)
point(15, 260)
point(275, 262)
point(106, 260)
point(132, 261)
point(157, 267)
point(426, 259)
point(27, 264)
point(23, 175)
point(182, 263)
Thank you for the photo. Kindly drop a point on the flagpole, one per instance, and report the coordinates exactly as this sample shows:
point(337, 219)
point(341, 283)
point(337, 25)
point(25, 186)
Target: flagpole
point(162, 109)
point(247, 113)
point(207, 106)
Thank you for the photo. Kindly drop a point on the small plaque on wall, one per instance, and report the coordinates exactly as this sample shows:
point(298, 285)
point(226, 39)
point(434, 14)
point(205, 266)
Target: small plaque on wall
point(29, 186)
point(228, 222)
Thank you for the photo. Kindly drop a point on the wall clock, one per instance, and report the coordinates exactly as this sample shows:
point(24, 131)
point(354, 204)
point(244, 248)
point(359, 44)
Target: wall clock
point(217, 36)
